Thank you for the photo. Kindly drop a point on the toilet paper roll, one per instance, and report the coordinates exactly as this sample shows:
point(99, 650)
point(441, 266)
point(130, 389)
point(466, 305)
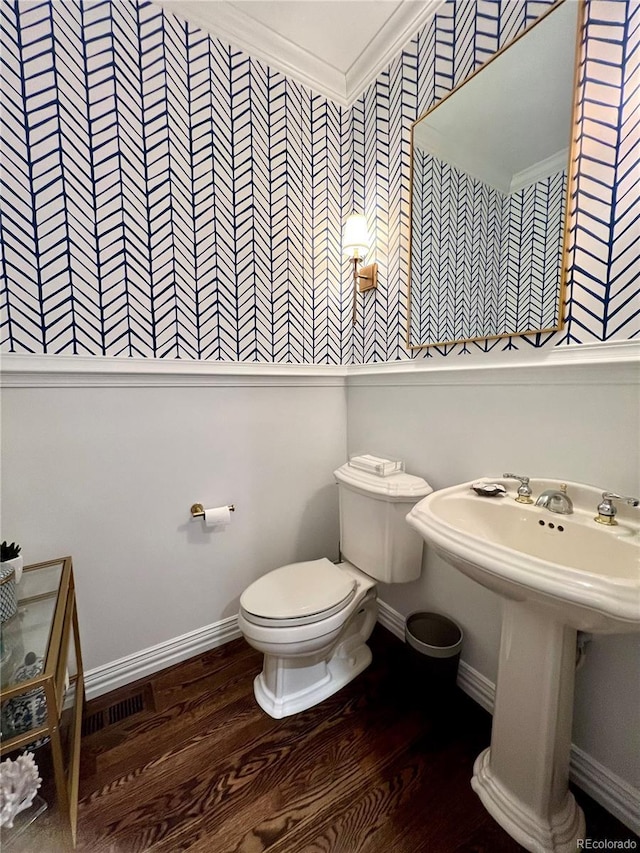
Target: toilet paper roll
point(217, 516)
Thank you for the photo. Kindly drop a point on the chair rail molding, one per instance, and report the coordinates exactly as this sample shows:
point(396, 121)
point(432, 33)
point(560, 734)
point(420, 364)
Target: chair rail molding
point(610, 362)
point(583, 364)
point(42, 371)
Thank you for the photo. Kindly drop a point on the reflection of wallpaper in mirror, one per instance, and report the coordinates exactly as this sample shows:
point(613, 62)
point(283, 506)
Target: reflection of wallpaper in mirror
point(483, 263)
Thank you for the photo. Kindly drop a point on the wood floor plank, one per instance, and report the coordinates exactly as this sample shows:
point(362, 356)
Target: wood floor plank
point(226, 787)
point(301, 788)
point(383, 766)
point(372, 806)
point(205, 712)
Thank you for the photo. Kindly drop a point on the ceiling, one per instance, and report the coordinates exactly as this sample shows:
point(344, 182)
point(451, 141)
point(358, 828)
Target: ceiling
point(335, 47)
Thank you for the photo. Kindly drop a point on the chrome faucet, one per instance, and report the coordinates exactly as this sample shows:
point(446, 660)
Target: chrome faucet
point(556, 500)
point(524, 491)
point(607, 510)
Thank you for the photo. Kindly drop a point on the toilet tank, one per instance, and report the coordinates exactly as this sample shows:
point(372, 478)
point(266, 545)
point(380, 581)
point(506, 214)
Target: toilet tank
point(374, 534)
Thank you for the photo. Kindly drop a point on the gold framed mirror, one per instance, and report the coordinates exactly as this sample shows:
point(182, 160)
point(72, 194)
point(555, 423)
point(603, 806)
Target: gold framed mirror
point(490, 178)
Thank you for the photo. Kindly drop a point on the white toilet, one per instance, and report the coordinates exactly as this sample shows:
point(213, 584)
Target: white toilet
point(312, 620)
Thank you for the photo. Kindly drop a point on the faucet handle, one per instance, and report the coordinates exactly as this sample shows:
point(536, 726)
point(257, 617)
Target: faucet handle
point(524, 491)
point(612, 496)
point(607, 510)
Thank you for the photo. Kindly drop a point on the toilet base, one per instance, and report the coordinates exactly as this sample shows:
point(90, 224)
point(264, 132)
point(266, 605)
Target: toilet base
point(302, 687)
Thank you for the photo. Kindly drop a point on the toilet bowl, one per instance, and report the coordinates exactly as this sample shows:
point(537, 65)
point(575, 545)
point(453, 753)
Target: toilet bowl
point(311, 620)
point(319, 646)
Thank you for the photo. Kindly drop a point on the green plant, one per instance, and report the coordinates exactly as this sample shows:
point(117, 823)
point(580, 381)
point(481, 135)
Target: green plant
point(8, 552)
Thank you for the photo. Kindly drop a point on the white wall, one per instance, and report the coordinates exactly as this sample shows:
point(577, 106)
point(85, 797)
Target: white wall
point(108, 474)
point(105, 469)
point(582, 425)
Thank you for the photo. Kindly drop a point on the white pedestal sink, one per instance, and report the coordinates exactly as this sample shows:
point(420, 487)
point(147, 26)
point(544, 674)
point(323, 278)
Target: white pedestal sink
point(557, 574)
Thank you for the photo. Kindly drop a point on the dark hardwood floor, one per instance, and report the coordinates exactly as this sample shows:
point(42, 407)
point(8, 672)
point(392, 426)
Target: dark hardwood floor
point(381, 767)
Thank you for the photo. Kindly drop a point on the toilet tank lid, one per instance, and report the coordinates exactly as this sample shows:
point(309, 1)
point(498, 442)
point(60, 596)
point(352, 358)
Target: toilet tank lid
point(394, 487)
point(298, 589)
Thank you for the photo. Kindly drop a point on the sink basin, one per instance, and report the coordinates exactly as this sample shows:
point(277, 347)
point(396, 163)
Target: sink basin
point(556, 574)
point(588, 573)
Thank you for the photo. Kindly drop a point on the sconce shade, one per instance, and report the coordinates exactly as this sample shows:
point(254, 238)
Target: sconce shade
point(355, 237)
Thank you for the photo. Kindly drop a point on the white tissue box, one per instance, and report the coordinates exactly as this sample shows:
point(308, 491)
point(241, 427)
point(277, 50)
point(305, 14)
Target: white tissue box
point(376, 464)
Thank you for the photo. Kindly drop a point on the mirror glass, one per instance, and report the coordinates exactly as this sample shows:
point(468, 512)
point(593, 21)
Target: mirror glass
point(489, 193)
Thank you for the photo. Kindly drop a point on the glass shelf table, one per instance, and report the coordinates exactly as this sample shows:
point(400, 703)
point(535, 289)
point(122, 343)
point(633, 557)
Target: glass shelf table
point(35, 695)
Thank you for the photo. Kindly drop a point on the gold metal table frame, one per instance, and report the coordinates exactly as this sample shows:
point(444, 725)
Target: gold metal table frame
point(47, 617)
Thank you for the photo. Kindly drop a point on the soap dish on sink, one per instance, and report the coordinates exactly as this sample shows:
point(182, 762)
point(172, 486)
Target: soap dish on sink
point(489, 490)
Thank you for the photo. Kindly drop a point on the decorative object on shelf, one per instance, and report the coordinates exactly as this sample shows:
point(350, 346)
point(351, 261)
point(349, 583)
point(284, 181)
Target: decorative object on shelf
point(10, 556)
point(29, 710)
point(8, 597)
point(19, 782)
point(10, 573)
point(12, 649)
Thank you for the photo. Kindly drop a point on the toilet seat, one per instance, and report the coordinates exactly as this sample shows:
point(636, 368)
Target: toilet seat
point(298, 594)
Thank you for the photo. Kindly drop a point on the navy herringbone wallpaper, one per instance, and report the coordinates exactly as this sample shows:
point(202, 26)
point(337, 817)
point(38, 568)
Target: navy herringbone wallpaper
point(166, 196)
point(603, 282)
point(483, 262)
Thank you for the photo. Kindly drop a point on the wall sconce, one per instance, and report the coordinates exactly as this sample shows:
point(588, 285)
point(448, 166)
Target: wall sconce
point(355, 244)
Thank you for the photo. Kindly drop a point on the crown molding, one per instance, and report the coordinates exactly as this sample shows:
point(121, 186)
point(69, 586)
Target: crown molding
point(401, 27)
point(557, 162)
point(237, 28)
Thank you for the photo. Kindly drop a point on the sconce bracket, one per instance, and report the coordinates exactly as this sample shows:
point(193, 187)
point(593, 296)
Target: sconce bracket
point(368, 278)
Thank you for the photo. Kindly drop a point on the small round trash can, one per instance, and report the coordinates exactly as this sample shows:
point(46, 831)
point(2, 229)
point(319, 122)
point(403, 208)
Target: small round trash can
point(434, 643)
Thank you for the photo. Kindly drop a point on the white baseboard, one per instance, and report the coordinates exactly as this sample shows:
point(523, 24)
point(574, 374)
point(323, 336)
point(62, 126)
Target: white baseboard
point(617, 796)
point(124, 671)
point(607, 788)
point(391, 619)
point(478, 686)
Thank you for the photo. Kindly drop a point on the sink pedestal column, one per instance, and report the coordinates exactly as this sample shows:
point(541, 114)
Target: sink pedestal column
point(522, 779)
